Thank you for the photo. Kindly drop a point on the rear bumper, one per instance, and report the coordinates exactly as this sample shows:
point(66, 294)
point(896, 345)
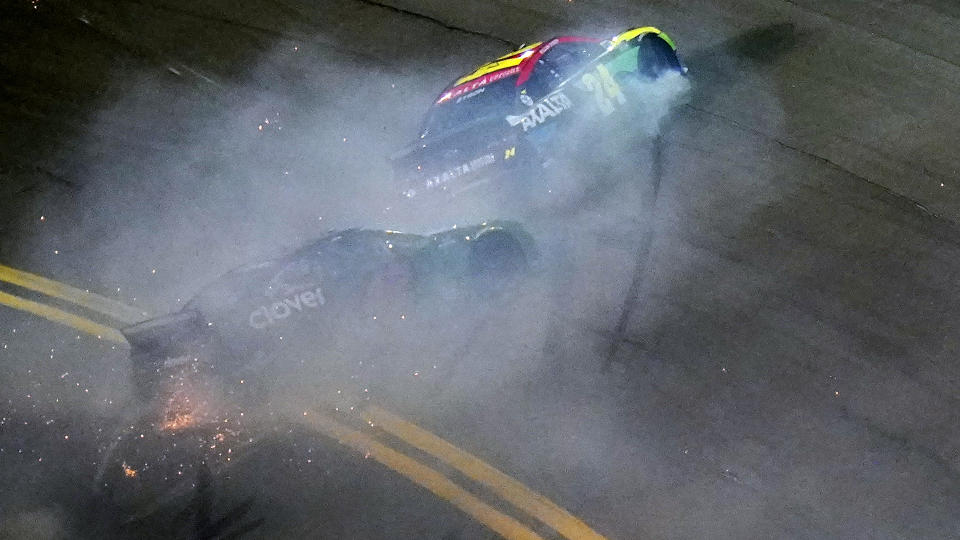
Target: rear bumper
point(500, 162)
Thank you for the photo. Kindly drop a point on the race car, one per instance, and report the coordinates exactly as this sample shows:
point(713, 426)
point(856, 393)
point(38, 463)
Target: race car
point(365, 284)
point(528, 107)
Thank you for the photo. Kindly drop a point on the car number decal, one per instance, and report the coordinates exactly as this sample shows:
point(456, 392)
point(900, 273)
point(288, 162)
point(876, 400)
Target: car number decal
point(605, 90)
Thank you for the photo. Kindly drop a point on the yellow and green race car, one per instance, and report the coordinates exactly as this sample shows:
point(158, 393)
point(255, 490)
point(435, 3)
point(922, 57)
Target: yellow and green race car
point(529, 106)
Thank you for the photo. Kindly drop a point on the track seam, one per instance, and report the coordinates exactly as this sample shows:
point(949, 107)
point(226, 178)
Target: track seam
point(883, 37)
point(438, 22)
point(895, 194)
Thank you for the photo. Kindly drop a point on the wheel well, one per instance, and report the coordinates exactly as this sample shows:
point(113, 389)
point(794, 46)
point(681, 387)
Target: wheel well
point(497, 252)
point(656, 56)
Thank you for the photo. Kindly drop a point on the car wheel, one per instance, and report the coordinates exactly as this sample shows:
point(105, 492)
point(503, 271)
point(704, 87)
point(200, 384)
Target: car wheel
point(146, 375)
point(656, 58)
point(496, 260)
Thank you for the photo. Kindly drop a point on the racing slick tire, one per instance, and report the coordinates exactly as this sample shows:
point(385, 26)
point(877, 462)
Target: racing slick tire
point(496, 260)
point(656, 58)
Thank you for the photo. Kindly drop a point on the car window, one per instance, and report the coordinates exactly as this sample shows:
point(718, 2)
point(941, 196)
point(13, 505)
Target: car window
point(567, 58)
point(623, 61)
point(356, 252)
point(295, 276)
point(494, 99)
point(559, 64)
point(542, 80)
point(343, 253)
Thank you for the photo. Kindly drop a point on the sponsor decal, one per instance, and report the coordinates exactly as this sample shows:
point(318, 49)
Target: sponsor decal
point(466, 88)
point(548, 46)
point(476, 92)
point(176, 361)
point(509, 153)
point(526, 100)
point(548, 107)
point(271, 314)
point(460, 170)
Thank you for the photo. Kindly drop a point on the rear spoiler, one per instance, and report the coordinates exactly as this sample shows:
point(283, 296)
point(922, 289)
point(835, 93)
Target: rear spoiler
point(164, 333)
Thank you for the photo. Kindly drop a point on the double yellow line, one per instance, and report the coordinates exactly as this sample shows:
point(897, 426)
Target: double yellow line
point(496, 482)
point(99, 304)
point(510, 490)
point(507, 488)
point(424, 476)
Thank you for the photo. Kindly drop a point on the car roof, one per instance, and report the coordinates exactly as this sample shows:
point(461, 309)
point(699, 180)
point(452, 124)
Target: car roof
point(518, 63)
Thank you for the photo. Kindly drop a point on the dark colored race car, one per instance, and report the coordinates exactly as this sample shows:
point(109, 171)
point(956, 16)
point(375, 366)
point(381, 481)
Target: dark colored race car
point(530, 106)
point(365, 284)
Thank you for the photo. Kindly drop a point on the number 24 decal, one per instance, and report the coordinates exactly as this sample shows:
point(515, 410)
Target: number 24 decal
point(605, 89)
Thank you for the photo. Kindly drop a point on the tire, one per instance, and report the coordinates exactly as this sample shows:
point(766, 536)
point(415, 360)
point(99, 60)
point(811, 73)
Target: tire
point(656, 58)
point(146, 375)
point(496, 260)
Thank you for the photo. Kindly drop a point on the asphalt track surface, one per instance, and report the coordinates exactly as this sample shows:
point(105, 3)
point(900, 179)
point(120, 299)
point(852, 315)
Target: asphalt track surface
point(766, 348)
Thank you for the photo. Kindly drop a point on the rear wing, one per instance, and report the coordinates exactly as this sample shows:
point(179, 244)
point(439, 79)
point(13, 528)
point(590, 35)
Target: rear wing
point(162, 335)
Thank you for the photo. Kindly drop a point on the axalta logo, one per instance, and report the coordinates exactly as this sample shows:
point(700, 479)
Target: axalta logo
point(549, 107)
point(460, 170)
point(269, 315)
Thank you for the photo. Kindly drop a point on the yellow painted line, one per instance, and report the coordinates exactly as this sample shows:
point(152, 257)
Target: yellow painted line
point(506, 487)
point(439, 485)
point(91, 301)
point(62, 317)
